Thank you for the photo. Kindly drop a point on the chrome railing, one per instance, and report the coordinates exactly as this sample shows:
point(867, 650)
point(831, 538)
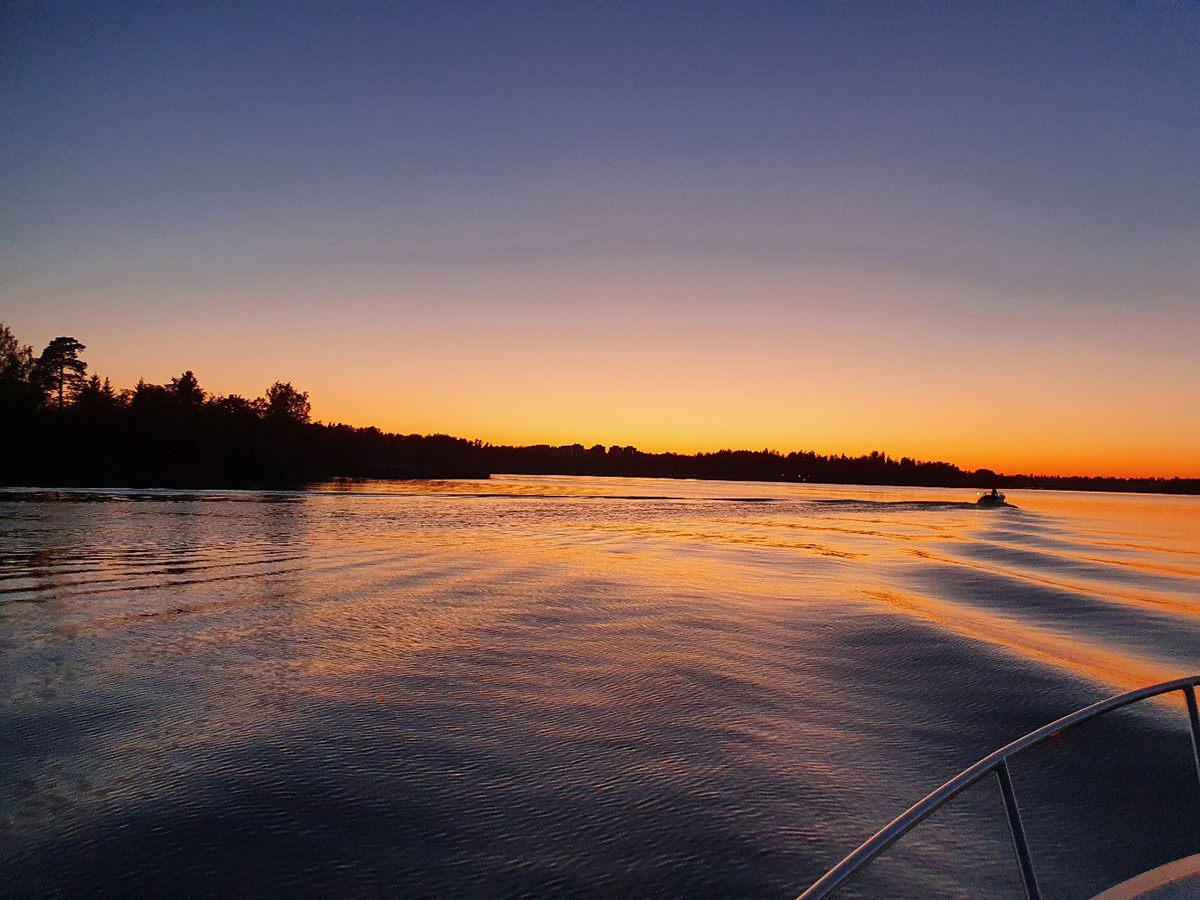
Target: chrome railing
point(998, 763)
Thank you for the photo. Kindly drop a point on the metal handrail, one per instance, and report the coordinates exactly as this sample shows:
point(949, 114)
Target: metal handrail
point(998, 762)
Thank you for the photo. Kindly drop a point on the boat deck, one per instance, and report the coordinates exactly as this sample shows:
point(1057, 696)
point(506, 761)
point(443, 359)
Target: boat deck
point(1179, 880)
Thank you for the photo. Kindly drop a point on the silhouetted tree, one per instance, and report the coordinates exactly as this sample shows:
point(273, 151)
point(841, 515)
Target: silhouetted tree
point(16, 361)
point(187, 390)
point(19, 399)
point(237, 405)
point(59, 369)
point(150, 400)
point(287, 403)
point(96, 396)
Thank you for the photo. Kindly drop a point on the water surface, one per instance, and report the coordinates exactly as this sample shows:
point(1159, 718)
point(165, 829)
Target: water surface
point(581, 687)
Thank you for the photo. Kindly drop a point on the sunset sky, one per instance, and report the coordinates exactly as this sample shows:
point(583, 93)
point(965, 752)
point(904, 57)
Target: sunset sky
point(954, 231)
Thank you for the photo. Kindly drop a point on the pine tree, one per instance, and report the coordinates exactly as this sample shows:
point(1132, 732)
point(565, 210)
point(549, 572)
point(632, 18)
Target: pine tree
point(59, 369)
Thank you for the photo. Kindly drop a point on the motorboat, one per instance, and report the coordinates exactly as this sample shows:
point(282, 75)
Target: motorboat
point(1176, 880)
point(994, 498)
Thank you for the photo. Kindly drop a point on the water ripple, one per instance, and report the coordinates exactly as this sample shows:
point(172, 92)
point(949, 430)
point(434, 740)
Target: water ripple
point(571, 687)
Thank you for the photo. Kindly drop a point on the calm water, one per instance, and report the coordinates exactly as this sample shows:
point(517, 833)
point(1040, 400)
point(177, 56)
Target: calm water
point(571, 687)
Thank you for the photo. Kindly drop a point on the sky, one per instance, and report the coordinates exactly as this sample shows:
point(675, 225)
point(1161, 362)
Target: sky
point(957, 231)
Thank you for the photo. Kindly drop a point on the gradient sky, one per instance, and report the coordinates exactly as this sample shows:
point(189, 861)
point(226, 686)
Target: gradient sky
point(959, 231)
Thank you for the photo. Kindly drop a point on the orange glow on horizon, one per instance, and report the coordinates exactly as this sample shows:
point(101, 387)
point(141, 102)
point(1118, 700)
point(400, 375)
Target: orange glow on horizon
point(671, 418)
point(647, 435)
point(637, 359)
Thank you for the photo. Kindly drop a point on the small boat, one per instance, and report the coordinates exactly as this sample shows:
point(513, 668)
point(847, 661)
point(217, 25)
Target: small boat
point(995, 498)
point(1178, 879)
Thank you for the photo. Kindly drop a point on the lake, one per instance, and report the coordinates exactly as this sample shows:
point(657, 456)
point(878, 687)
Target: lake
point(583, 687)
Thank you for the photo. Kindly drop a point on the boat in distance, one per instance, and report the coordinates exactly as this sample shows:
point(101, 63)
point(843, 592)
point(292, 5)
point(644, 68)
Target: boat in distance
point(1177, 880)
point(994, 498)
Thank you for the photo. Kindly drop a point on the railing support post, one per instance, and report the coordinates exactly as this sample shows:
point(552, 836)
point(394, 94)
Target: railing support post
point(1189, 694)
point(997, 762)
point(1018, 832)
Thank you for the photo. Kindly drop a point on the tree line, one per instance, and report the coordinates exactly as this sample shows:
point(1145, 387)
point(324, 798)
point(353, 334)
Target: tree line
point(874, 468)
point(64, 427)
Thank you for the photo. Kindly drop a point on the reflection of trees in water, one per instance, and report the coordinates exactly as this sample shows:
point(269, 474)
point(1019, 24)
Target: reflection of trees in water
point(121, 547)
point(40, 572)
point(283, 520)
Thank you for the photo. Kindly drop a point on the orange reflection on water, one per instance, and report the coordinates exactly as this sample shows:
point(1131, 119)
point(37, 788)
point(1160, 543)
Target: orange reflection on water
point(1066, 651)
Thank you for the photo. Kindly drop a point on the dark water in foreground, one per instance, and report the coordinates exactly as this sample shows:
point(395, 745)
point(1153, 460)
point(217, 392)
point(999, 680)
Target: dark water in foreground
point(582, 688)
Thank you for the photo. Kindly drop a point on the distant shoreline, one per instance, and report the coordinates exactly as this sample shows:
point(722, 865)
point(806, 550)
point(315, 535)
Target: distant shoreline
point(66, 428)
point(1024, 482)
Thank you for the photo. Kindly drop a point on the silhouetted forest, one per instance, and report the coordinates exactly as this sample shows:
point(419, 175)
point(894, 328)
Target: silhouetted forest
point(769, 465)
point(64, 427)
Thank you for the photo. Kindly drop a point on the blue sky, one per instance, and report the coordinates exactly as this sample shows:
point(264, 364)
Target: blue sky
point(508, 188)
